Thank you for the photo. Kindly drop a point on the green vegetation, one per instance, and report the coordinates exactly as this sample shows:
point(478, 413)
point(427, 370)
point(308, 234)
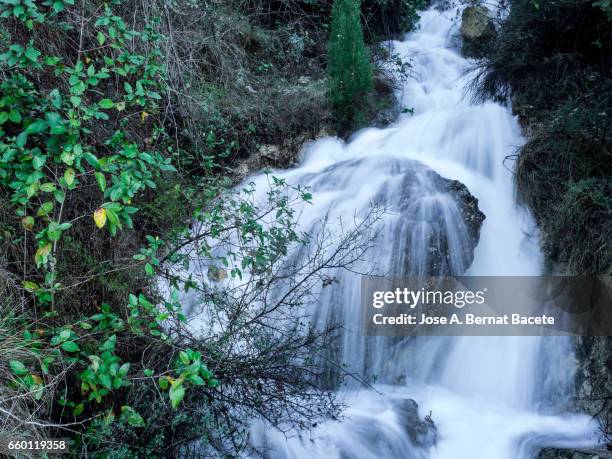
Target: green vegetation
point(349, 65)
point(555, 59)
point(122, 126)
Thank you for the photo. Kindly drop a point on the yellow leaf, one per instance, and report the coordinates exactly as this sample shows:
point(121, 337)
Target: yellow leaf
point(120, 106)
point(42, 253)
point(99, 217)
point(37, 379)
point(28, 222)
point(143, 116)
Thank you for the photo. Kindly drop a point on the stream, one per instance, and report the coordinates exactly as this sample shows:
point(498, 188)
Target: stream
point(489, 397)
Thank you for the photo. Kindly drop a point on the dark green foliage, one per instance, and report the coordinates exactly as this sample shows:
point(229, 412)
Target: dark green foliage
point(555, 59)
point(564, 175)
point(349, 65)
point(389, 18)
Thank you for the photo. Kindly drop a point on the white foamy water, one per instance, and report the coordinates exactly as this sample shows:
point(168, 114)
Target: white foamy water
point(483, 392)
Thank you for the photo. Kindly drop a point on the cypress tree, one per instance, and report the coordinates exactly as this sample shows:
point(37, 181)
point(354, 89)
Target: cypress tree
point(349, 66)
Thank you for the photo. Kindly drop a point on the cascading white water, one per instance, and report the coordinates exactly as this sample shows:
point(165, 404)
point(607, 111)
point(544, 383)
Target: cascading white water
point(481, 391)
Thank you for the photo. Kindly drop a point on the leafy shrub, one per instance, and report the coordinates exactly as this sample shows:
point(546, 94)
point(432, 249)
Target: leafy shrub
point(555, 60)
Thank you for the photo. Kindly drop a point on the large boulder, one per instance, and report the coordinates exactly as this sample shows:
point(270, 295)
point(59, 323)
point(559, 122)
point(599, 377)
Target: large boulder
point(422, 432)
point(438, 214)
point(477, 30)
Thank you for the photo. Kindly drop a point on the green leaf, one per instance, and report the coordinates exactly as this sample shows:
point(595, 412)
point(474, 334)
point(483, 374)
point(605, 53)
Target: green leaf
point(132, 417)
point(184, 357)
point(69, 176)
point(196, 380)
point(101, 38)
point(48, 187)
point(38, 161)
point(18, 368)
point(109, 344)
point(149, 269)
point(32, 54)
point(106, 381)
point(45, 208)
point(176, 394)
point(148, 372)
point(163, 383)
point(21, 139)
point(123, 369)
point(78, 409)
point(37, 127)
point(54, 232)
point(70, 346)
point(14, 116)
point(59, 195)
point(101, 181)
point(106, 103)
point(30, 286)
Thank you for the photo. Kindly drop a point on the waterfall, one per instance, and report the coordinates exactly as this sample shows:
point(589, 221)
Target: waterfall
point(484, 393)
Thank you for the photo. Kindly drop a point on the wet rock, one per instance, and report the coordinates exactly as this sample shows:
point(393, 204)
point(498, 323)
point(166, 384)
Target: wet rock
point(477, 29)
point(422, 432)
point(594, 378)
point(428, 220)
point(468, 206)
point(556, 453)
point(270, 152)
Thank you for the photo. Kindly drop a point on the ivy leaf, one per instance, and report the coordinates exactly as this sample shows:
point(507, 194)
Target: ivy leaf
point(70, 346)
point(99, 217)
point(18, 368)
